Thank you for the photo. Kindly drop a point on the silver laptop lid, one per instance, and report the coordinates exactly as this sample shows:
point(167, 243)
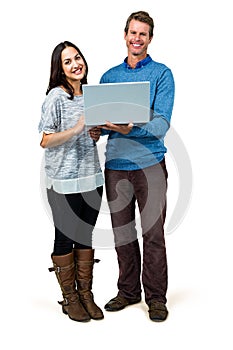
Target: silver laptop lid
point(119, 103)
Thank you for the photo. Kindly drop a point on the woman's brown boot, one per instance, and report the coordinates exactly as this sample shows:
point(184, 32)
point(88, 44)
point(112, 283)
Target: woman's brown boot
point(84, 260)
point(64, 268)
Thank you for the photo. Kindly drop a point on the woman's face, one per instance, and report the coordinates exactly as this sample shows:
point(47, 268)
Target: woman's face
point(73, 65)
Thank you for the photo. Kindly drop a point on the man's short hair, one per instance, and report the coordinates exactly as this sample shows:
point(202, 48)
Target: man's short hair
point(141, 16)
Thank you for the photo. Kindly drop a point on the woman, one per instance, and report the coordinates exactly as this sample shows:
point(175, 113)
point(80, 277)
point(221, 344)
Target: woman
point(74, 181)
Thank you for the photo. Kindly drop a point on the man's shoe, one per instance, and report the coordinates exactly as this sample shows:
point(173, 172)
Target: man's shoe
point(157, 311)
point(118, 303)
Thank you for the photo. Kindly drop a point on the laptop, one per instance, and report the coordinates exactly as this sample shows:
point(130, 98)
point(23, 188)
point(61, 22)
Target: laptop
point(119, 103)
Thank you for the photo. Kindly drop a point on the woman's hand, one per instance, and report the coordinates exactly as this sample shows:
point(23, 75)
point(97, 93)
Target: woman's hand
point(95, 133)
point(78, 128)
point(121, 128)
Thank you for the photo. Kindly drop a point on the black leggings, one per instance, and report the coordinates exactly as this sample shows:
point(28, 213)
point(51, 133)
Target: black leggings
point(74, 217)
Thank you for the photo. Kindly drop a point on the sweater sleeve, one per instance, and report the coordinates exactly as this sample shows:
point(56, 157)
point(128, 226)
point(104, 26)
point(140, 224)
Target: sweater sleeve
point(105, 132)
point(161, 109)
point(50, 115)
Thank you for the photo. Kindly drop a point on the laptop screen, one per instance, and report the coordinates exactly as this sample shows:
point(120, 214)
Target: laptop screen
point(119, 103)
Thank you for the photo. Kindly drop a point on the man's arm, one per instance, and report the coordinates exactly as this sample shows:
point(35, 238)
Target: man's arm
point(161, 114)
point(122, 129)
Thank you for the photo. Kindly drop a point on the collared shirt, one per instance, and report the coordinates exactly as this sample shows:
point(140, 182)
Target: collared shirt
point(139, 64)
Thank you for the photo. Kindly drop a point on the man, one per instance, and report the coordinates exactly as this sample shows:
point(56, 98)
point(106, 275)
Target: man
point(135, 171)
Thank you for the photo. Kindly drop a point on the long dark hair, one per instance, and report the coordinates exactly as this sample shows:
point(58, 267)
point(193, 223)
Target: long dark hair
point(57, 76)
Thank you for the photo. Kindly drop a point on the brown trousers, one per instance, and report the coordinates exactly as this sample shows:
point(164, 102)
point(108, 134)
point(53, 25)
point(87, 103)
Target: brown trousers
point(146, 187)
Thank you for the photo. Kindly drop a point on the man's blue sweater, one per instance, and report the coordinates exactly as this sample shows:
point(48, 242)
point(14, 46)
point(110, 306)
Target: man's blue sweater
point(144, 145)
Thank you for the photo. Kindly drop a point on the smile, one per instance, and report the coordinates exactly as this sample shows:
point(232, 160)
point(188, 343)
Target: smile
point(77, 71)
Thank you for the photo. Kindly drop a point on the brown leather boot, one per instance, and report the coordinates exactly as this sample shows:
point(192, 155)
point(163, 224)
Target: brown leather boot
point(64, 268)
point(84, 275)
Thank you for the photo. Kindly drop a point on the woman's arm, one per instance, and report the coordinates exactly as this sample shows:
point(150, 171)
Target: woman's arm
point(58, 138)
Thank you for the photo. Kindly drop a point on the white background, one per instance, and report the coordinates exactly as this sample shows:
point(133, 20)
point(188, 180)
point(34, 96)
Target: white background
point(194, 39)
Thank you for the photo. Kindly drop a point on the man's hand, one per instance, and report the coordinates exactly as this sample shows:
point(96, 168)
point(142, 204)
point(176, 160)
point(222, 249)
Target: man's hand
point(121, 128)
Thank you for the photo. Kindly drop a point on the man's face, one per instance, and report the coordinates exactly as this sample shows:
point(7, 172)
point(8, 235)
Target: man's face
point(137, 39)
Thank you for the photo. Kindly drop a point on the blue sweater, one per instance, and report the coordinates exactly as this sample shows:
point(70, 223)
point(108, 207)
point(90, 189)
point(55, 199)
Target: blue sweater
point(144, 145)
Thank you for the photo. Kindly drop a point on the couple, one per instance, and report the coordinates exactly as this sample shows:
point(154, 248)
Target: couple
point(135, 170)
